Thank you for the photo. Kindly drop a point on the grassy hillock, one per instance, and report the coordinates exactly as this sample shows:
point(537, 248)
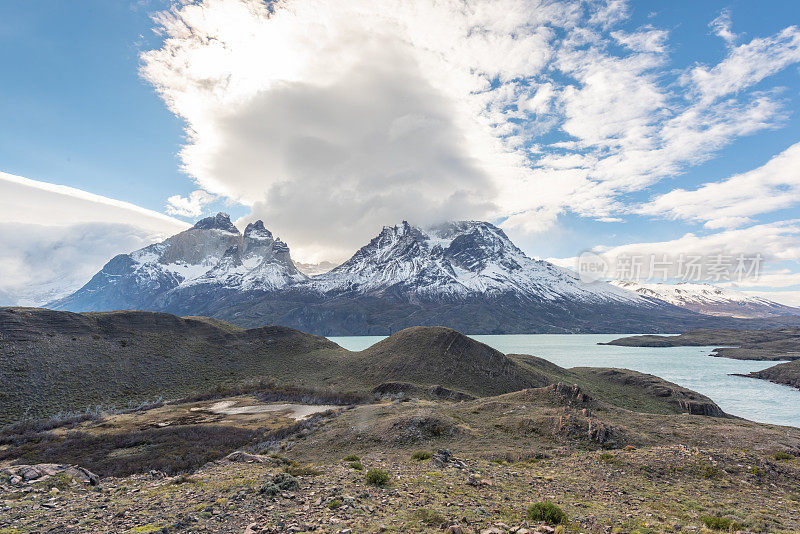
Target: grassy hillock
point(441, 356)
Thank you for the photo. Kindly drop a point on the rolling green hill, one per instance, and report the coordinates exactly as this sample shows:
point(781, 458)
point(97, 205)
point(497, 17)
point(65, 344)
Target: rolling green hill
point(60, 361)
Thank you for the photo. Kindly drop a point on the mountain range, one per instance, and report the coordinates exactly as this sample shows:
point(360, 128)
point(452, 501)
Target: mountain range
point(467, 275)
point(709, 299)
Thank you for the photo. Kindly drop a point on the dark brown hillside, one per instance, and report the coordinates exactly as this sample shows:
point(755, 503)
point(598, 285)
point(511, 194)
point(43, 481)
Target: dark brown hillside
point(61, 361)
point(53, 361)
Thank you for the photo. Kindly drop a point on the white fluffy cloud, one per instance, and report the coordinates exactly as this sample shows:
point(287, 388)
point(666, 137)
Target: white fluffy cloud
point(53, 238)
point(745, 65)
point(330, 119)
point(741, 258)
point(732, 202)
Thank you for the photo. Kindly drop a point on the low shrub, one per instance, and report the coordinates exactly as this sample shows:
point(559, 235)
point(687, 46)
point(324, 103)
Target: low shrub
point(357, 466)
point(782, 456)
point(302, 470)
point(421, 455)
point(710, 471)
point(185, 478)
point(280, 482)
point(334, 504)
point(719, 523)
point(377, 477)
point(351, 458)
point(428, 516)
point(60, 481)
point(546, 512)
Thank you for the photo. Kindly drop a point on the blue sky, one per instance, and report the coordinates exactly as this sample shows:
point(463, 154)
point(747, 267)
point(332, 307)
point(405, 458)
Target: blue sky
point(78, 110)
point(75, 109)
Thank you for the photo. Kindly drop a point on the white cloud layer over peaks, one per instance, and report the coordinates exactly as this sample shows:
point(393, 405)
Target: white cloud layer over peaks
point(330, 119)
point(730, 203)
point(53, 238)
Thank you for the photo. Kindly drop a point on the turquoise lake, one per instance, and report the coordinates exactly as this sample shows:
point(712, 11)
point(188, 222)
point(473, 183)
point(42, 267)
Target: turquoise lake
point(691, 367)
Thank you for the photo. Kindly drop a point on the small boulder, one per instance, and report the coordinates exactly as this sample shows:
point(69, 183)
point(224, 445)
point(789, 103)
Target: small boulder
point(246, 457)
point(84, 475)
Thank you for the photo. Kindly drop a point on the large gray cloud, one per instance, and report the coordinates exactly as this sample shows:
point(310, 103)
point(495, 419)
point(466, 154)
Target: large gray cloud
point(331, 119)
point(399, 157)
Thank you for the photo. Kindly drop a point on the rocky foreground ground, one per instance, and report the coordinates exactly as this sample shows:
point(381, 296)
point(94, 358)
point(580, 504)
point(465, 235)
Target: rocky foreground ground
point(657, 489)
point(426, 431)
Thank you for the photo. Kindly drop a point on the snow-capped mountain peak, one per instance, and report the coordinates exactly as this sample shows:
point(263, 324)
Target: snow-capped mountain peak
point(709, 299)
point(211, 254)
point(457, 259)
point(256, 231)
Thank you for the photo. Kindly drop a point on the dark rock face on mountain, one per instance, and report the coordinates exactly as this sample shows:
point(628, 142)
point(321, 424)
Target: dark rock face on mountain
point(466, 275)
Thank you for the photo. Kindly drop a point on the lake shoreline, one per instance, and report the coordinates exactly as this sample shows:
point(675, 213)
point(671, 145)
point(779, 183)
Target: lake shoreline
point(691, 367)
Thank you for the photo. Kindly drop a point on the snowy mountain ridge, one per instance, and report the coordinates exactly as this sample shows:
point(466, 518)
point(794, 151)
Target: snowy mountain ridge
point(709, 299)
point(457, 259)
point(213, 253)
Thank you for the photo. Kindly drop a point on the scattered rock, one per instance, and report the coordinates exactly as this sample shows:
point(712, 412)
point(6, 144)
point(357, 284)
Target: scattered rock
point(19, 474)
point(476, 480)
point(443, 457)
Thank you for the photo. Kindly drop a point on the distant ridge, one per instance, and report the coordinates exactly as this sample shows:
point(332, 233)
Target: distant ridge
point(710, 299)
